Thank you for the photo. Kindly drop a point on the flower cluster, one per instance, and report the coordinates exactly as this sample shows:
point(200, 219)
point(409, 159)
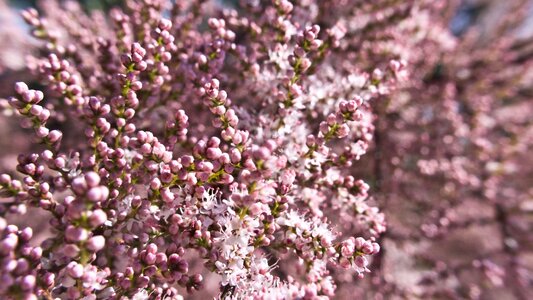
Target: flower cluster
point(166, 150)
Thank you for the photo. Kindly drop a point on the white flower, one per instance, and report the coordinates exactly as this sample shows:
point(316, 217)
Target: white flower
point(141, 295)
point(292, 219)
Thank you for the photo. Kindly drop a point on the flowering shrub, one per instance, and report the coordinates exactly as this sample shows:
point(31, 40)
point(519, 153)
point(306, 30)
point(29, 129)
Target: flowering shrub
point(170, 134)
point(181, 143)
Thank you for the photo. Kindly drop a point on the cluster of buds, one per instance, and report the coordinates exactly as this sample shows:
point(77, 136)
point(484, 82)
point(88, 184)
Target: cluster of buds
point(27, 104)
point(351, 252)
point(62, 80)
point(41, 29)
point(160, 48)
point(21, 279)
point(336, 125)
point(176, 130)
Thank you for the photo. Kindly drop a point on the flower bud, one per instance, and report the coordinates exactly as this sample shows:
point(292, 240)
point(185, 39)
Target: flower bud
point(96, 243)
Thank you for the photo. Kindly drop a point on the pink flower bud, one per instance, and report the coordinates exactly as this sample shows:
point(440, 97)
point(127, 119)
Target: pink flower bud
point(155, 184)
point(167, 195)
point(28, 282)
point(76, 234)
point(97, 218)
point(21, 87)
point(71, 250)
point(75, 270)
point(92, 179)
point(96, 243)
point(98, 194)
point(54, 136)
point(361, 261)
